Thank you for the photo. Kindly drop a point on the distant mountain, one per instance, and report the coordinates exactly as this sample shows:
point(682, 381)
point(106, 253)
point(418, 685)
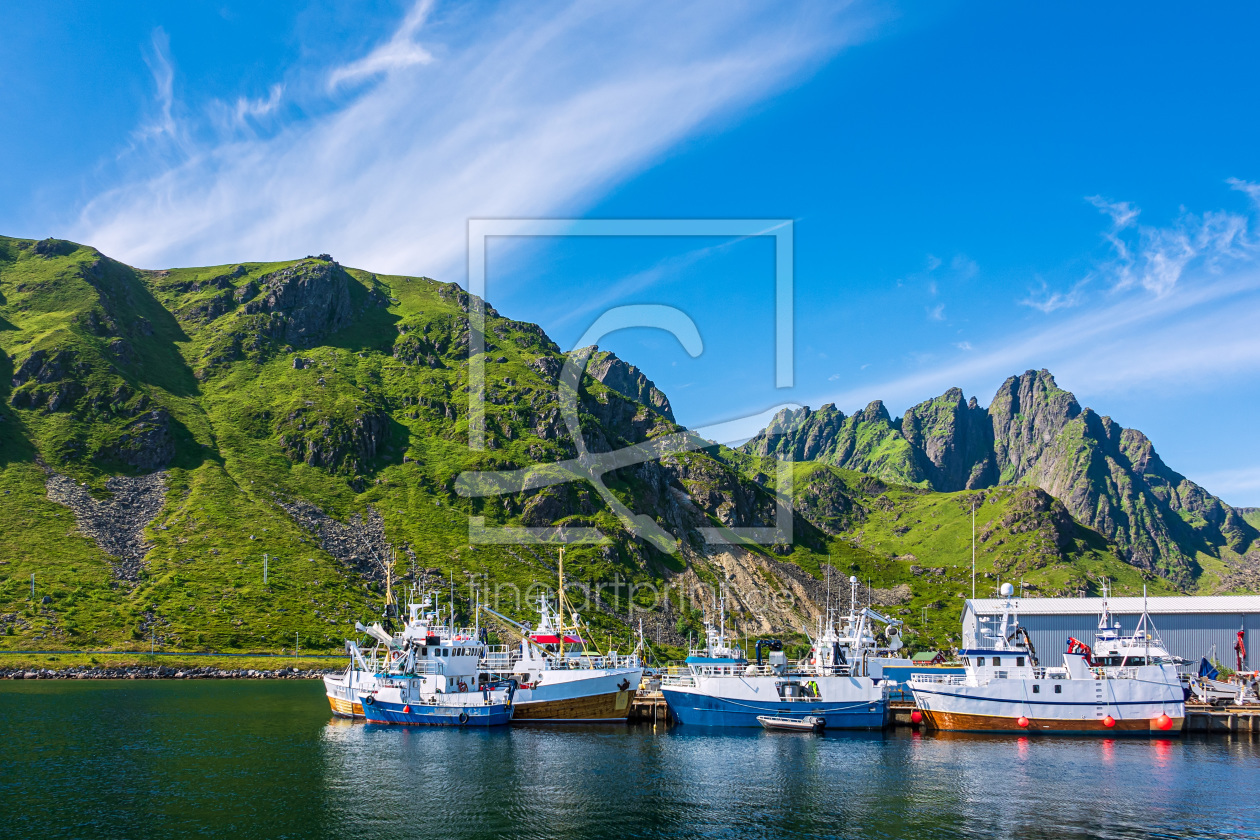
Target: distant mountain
point(1032, 433)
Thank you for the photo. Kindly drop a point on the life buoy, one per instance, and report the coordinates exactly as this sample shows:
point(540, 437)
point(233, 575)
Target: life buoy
point(463, 686)
point(463, 718)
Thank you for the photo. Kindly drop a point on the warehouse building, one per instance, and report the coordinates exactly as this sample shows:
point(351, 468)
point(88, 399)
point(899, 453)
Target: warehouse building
point(1189, 625)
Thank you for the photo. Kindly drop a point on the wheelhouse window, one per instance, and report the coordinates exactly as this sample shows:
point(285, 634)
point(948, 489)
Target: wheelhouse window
point(1019, 661)
point(1058, 689)
point(1036, 689)
point(980, 660)
point(997, 660)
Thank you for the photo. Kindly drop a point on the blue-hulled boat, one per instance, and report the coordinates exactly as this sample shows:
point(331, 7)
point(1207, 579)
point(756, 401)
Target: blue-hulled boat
point(721, 688)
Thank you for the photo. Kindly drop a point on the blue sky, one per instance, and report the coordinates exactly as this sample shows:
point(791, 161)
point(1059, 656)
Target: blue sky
point(975, 189)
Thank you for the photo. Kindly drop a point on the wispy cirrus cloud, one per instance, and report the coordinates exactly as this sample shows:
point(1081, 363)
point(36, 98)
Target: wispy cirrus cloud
point(399, 52)
point(526, 110)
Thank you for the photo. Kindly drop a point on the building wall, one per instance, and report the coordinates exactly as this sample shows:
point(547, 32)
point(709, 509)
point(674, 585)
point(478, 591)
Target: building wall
point(1188, 635)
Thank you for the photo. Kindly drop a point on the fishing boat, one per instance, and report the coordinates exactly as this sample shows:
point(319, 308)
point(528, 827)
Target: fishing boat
point(1130, 685)
point(559, 677)
point(432, 675)
point(809, 723)
point(720, 687)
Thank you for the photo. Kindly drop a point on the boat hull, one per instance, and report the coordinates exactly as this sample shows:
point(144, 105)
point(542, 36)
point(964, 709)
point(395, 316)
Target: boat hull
point(598, 708)
point(384, 712)
point(957, 722)
point(1077, 706)
point(595, 696)
point(343, 691)
point(844, 702)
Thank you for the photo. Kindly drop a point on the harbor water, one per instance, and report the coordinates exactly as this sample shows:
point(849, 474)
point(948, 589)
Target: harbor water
point(135, 759)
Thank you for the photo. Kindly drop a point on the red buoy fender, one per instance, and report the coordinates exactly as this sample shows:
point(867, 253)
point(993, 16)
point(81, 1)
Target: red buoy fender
point(1023, 722)
point(916, 716)
point(1163, 722)
point(1109, 721)
point(407, 710)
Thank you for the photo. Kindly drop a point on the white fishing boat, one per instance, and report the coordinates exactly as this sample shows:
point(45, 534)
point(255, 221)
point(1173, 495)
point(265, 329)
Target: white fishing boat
point(1132, 686)
point(431, 655)
point(560, 677)
point(720, 687)
point(809, 723)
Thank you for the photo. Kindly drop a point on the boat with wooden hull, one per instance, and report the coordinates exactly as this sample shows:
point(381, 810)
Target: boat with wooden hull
point(344, 690)
point(958, 722)
point(560, 680)
point(1130, 687)
point(578, 696)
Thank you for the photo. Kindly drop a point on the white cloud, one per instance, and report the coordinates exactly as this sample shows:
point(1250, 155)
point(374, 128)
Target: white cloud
point(246, 107)
point(1048, 301)
point(1241, 481)
point(162, 123)
point(528, 111)
point(937, 312)
point(399, 52)
point(964, 346)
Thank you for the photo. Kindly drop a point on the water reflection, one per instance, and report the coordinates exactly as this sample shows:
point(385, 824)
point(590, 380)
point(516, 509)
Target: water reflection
point(263, 759)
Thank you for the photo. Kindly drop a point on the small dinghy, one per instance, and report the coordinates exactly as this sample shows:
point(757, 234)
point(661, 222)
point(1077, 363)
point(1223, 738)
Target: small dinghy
point(809, 723)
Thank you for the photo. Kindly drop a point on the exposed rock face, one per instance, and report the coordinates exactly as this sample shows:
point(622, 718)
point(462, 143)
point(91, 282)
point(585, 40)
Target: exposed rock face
point(147, 443)
point(1033, 432)
point(953, 440)
point(868, 441)
point(116, 524)
point(629, 381)
point(307, 300)
point(340, 445)
point(359, 544)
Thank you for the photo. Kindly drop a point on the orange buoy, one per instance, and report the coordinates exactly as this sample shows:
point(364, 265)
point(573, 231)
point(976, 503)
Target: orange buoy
point(1023, 721)
point(407, 709)
point(916, 716)
point(1163, 722)
point(1109, 721)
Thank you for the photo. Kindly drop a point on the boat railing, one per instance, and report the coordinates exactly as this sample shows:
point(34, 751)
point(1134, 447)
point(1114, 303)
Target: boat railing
point(582, 662)
point(681, 679)
point(499, 658)
point(939, 679)
point(421, 667)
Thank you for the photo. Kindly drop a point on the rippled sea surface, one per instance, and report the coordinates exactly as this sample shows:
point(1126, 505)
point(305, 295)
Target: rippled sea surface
point(264, 759)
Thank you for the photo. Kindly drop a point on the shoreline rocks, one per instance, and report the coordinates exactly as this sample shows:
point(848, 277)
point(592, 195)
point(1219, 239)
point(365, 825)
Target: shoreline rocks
point(159, 672)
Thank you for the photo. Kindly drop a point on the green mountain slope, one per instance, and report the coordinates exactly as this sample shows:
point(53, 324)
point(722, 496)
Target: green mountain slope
point(162, 431)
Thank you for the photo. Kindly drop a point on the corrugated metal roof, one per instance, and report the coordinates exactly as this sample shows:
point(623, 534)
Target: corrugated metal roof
point(1124, 606)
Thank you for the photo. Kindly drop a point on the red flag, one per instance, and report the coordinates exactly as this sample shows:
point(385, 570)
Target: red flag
point(1240, 648)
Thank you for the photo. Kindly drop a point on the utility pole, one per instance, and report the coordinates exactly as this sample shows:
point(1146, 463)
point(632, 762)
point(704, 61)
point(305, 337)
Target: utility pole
point(32, 587)
point(297, 641)
point(973, 548)
point(265, 571)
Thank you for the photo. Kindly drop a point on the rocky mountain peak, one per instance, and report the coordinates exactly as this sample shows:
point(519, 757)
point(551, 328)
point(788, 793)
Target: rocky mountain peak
point(629, 381)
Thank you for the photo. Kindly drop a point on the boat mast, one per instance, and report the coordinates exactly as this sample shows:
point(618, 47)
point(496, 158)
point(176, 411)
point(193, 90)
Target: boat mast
point(560, 603)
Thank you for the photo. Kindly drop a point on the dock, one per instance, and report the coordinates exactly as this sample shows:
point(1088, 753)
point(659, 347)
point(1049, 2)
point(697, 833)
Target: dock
point(1230, 719)
point(649, 707)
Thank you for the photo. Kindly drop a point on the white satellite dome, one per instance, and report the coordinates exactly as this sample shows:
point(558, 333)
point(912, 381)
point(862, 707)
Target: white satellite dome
point(1007, 590)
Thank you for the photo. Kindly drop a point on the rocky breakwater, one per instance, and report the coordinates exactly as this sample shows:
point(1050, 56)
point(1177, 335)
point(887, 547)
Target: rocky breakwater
point(158, 672)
